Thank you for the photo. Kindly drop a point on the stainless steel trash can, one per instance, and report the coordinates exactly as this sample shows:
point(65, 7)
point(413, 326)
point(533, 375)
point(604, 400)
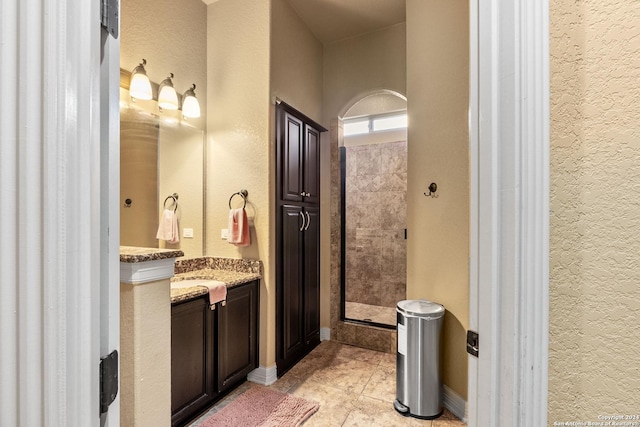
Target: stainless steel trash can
point(418, 383)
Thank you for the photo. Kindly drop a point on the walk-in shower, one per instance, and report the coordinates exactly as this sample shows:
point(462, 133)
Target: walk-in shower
point(373, 191)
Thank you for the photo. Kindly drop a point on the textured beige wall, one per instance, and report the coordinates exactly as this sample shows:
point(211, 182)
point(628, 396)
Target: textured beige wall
point(239, 151)
point(358, 66)
point(438, 144)
point(145, 354)
point(594, 308)
point(171, 36)
point(296, 61)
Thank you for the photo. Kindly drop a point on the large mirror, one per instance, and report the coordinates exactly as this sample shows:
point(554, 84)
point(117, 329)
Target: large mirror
point(161, 155)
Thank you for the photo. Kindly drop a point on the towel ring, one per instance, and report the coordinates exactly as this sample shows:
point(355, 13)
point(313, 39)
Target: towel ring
point(174, 196)
point(241, 193)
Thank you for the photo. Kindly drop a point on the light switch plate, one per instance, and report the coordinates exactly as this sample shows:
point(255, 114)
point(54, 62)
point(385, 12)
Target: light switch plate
point(187, 233)
point(224, 233)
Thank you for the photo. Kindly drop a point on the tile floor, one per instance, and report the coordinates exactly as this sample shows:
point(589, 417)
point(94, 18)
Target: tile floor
point(354, 387)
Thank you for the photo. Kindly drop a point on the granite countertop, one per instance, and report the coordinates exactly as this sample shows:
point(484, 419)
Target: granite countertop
point(233, 272)
point(132, 254)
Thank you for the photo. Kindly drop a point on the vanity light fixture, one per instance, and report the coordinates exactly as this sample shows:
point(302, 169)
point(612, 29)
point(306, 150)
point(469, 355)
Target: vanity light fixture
point(190, 104)
point(167, 96)
point(140, 86)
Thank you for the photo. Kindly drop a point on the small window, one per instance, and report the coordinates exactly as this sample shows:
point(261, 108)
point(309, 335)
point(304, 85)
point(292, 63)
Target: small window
point(356, 127)
point(390, 122)
point(370, 124)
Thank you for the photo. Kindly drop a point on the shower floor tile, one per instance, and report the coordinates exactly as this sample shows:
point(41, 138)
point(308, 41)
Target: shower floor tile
point(370, 313)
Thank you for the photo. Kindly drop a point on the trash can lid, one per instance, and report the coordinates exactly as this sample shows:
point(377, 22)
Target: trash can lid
point(421, 308)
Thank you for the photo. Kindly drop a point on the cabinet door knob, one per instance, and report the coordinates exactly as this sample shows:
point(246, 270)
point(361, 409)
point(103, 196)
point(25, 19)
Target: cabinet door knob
point(307, 194)
point(308, 221)
point(303, 221)
point(302, 194)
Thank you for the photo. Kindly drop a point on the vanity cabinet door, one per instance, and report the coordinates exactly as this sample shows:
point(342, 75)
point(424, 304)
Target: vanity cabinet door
point(193, 365)
point(237, 335)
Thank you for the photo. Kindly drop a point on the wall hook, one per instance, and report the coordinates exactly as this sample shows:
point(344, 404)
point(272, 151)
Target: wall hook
point(433, 187)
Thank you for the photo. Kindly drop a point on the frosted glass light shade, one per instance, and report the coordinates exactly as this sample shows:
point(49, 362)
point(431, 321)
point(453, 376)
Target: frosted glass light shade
point(140, 86)
point(167, 96)
point(190, 104)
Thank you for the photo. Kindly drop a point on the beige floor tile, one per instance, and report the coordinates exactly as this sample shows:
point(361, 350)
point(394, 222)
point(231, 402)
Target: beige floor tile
point(447, 419)
point(345, 374)
point(388, 359)
point(376, 413)
point(382, 385)
point(362, 354)
point(448, 423)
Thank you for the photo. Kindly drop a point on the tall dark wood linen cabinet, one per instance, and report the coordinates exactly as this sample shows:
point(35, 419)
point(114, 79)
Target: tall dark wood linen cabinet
point(297, 236)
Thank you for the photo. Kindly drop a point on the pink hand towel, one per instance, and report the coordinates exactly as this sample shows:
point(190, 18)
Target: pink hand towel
point(217, 292)
point(168, 227)
point(238, 228)
point(217, 289)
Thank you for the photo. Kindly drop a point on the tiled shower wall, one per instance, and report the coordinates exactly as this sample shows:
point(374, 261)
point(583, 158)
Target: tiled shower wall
point(375, 200)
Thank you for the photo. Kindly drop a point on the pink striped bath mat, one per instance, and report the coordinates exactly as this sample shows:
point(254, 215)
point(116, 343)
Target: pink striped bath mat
point(262, 407)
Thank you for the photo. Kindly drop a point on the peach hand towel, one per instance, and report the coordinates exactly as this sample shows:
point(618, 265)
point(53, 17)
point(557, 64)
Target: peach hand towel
point(217, 292)
point(217, 289)
point(238, 228)
point(168, 227)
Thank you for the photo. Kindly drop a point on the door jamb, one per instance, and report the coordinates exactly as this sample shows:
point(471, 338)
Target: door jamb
point(509, 201)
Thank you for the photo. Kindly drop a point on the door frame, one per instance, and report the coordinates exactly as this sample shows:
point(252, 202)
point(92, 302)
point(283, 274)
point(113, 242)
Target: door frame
point(110, 208)
point(61, 245)
point(509, 222)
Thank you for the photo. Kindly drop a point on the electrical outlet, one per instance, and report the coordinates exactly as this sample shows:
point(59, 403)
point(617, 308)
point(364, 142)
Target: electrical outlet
point(224, 233)
point(187, 233)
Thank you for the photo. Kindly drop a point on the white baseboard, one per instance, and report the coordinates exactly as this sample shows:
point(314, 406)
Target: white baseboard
point(454, 403)
point(264, 376)
point(325, 334)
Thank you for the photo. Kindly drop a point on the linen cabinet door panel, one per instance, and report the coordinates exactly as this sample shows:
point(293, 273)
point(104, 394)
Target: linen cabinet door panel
point(312, 276)
point(237, 335)
point(311, 169)
point(291, 297)
point(291, 157)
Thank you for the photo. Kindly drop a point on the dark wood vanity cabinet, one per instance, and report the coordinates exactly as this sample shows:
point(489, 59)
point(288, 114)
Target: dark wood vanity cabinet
point(297, 236)
point(193, 367)
point(212, 351)
point(237, 336)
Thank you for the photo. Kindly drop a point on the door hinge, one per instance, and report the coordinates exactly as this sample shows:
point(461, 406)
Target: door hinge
point(109, 14)
point(472, 343)
point(108, 380)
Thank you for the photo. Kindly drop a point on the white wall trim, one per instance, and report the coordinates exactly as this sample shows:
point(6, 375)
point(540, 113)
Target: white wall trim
point(509, 118)
point(325, 334)
point(263, 375)
point(454, 403)
point(146, 271)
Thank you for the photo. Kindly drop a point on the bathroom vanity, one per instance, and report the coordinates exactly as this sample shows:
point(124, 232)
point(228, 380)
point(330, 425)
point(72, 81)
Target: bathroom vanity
point(212, 351)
